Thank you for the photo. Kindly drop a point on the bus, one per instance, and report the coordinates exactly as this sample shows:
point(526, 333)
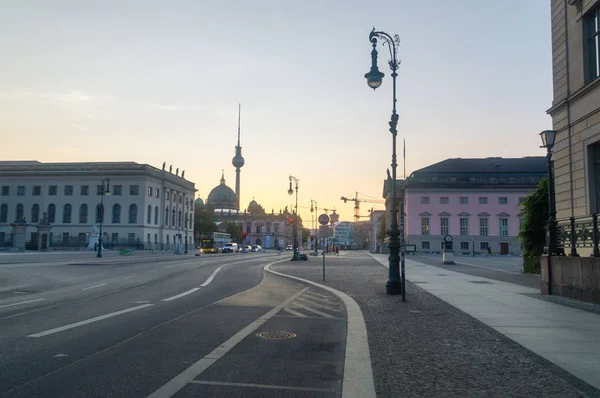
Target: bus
point(213, 242)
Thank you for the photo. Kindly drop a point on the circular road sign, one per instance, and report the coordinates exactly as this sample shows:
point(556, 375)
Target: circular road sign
point(323, 219)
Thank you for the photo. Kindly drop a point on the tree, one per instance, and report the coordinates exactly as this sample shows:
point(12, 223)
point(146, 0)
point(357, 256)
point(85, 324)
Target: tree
point(305, 234)
point(235, 231)
point(382, 234)
point(533, 231)
point(203, 220)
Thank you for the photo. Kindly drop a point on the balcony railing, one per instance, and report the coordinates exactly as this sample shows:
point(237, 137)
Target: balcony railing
point(579, 233)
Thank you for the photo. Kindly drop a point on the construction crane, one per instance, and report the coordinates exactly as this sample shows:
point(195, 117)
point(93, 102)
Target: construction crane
point(357, 201)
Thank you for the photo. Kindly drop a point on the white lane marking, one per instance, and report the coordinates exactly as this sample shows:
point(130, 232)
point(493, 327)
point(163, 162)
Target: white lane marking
point(140, 302)
point(319, 295)
point(154, 270)
point(212, 276)
point(60, 355)
point(182, 294)
point(19, 292)
point(171, 266)
point(88, 321)
point(291, 311)
point(304, 307)
point(128, 277)
point(179, 381)
point(318, 305)
point(22, 302)
point(93, 287)
point(267, 386)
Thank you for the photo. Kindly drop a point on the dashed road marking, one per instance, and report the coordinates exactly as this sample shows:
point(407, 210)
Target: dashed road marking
point(182, 294)
point(293, 312)
point(22, 302)
point(93, 287)
point(304, 307)
point(128, 277)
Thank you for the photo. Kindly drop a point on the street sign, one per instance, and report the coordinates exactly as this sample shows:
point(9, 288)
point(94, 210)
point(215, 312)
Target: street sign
point(323, 219)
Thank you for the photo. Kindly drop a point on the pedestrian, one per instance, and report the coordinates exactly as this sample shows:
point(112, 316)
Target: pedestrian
point(96, 247)
point(337, 251)
point(489, 251)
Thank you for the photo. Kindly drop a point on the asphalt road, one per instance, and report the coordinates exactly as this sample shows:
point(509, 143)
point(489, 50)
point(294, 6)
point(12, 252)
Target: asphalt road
point(185, 327)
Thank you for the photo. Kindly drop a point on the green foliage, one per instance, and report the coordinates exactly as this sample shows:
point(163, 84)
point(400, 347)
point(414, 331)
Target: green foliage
point(203, 220)
point(533, 230)
point(382, 234)
point(235, 231)
point(305, 234)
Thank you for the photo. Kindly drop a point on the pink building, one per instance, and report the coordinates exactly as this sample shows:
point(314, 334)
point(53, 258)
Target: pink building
point(476, 201)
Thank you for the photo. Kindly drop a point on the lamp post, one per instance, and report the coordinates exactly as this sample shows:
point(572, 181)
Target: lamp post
point(395, 284)
point(291, 191)
point(104, 192)
point(548, 138)
point(316, 224)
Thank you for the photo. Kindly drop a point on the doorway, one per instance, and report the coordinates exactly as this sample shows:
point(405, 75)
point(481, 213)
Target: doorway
point(504, 248)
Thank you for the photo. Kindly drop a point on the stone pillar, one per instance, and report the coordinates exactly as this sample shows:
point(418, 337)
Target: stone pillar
point(43, 233)
point(19, 234)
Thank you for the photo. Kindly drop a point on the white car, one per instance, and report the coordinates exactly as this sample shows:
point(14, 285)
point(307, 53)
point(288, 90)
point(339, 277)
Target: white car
point(289, 247)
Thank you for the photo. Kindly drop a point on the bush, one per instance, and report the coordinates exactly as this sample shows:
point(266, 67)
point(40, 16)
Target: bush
point(533, 230)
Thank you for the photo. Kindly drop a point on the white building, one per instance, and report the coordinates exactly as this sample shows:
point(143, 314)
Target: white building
point(147, 207)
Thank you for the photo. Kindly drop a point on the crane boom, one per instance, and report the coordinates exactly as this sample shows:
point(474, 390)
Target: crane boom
point(357, 201)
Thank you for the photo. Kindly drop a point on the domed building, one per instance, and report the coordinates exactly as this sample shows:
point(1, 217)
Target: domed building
point(199, 202)
point(222, 197)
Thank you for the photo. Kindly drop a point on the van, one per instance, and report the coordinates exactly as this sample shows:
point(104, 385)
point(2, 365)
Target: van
point(230, 248)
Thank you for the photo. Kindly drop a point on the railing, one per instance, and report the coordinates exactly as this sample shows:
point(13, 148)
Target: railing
point(579, 233)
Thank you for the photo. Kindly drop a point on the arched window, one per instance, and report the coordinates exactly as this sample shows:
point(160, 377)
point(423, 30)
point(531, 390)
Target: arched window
point(35, 213)
point(20, 211)
point(67, 209)
point(133, 214)
point(116, 214)
point(149, 216)
point(156, 215)
point(3, 212)
point(83, 214)
point(173, 218)
point(167, 216)
point(179, 219)
point(191, 219)
point(51, 213)
point(99, 212)
point(186, 220)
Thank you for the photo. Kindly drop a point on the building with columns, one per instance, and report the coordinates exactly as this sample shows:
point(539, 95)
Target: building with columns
point(147, 207)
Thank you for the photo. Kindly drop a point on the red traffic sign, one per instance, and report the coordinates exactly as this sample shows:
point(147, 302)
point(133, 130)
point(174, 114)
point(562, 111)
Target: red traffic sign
point(323, 219)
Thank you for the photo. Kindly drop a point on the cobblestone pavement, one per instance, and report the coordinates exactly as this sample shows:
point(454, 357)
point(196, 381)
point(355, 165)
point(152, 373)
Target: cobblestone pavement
point(427, 348)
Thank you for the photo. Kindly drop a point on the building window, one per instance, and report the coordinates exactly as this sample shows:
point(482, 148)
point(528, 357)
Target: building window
point(276, 228)
point(248, 229)
point(484, 245)
point(35, 213)
point(132, 214)
point(68, 190)
point(117, 190)
point(52, 190)
point(167, 216)
point(424, 200)
point(99, 213)
point(157, 193)
point(190, 220)
point(83, 210)
point(444, 200)
point(167, 239)
point(149, 234)
point(166, 195)
point(464, 200)
point(464, 245)
point(51, 213)
point(179, 219)
point(20, 211)
point(114, 237)
point(155, 238)
point(503, 226)
point(37, 190)
point(149, 217)
point(464, 226)
point(258, 229)
point(444, 226)
point(5, 190)
point(81, 238)
point(131, 237)
point(116, 214)
point(483, 227)
point(85, 190)
point(180, 199)
point(503, 200)
point(100, 190)
point(268, 228)
point(186, 221)
point(3, 212)
point(21, 190)
point(424, 225)
point(156, 215)
point(2, 236)
point(483, 200)
point(134, 190)
point(65, 238)
point(149, 194)
point(67, 210)
point(591, 46)
point(173, 197)
point(424, 245)
point(173, 218)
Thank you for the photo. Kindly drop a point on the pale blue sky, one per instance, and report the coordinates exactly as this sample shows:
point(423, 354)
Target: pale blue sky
point(154, 81)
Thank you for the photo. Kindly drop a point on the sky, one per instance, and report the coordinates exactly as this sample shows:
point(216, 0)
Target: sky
point(160, 81)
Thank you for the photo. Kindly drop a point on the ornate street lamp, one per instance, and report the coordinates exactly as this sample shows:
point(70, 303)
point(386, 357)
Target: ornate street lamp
point(395, 283)
point(548, 139)
point(295, 232)
point(105, 192)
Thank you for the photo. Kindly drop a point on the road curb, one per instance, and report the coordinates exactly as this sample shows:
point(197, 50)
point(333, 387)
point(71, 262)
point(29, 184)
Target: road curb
point(358, 373)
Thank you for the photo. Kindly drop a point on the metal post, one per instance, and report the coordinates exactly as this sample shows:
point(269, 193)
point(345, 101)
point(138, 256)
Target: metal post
point(552, 244)
point(596, 252)
point(402, 251)
point(573, 238)
point(323, 265)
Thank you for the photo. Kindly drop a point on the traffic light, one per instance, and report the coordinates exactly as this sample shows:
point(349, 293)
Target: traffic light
point(291, 220)
point(244, 234)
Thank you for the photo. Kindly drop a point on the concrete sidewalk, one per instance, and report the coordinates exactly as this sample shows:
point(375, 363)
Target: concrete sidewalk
point(426, 347)
point(84, 257)
point(566, 336)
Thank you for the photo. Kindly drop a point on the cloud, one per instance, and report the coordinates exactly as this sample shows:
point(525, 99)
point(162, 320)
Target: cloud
point(59, 98)
point(79, 127)
point(181, 108)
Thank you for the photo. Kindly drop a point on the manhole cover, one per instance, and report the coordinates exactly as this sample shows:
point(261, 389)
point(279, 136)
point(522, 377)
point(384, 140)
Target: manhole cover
point(276, 335)
point(480, 282)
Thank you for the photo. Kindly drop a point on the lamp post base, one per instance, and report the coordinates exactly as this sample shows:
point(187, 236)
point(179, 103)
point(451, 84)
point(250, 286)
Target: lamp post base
point(393, 288)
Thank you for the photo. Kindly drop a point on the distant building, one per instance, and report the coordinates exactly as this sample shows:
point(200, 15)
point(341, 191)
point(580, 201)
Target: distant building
point(147, 208)
point(343, 234)
point(476, 201)
point(377, 217)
